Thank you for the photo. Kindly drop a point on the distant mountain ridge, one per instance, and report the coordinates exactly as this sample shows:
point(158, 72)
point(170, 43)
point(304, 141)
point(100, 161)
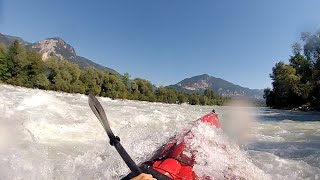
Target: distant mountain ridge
point(7, 40)
point(222, 87)
point(57, 47)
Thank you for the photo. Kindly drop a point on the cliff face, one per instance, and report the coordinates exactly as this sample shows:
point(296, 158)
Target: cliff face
point(54, 47)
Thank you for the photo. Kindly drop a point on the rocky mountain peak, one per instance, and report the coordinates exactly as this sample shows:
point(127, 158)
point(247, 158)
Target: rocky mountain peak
point(55, 47)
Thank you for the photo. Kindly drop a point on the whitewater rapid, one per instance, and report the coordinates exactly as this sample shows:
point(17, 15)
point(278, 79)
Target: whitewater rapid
point(54, 135)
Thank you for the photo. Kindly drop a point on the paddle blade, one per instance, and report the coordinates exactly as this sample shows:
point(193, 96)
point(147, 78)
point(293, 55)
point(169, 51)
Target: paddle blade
point(97, 109)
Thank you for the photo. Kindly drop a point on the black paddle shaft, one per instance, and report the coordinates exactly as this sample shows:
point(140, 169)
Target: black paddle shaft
point(97, 109)
point(127, 159)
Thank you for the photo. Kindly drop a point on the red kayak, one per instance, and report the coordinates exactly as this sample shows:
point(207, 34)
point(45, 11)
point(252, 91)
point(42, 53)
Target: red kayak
point(171, 162)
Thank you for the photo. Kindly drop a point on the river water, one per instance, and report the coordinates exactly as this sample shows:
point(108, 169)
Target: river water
point(53, 135)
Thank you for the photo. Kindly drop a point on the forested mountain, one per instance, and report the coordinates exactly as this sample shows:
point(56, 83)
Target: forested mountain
point(22, 67)
point(222, 87)
point(55, 47)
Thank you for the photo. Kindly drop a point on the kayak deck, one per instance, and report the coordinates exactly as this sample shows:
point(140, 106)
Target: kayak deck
point(169, 162)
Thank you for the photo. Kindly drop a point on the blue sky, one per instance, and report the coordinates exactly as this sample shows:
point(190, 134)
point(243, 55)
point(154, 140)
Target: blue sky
point(169, 40)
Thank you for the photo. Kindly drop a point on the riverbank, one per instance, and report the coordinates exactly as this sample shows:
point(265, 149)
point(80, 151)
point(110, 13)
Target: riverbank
point(303, 108)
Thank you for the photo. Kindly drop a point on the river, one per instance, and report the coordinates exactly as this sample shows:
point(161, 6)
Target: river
point(54, 135)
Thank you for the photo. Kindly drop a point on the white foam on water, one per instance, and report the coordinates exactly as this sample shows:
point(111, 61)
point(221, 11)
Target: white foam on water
point(281, 168)
point(53, 135)
point(38, 99)
point(217, 157)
